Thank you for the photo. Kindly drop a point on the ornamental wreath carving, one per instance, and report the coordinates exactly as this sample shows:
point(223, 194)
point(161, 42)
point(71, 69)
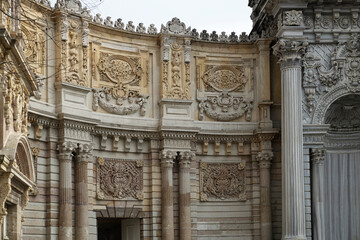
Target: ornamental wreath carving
point(222, 181)
point(119, 179)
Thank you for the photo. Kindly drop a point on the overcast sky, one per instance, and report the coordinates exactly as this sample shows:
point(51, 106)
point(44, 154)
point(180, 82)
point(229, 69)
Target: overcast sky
point(225, 15)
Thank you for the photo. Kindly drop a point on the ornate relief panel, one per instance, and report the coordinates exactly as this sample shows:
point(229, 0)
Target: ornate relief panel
point(34, 46)
point(222, 181)
point(224, 90)
point(176, 82)
point(121, 82)
point(119, 179)
point(327, 68)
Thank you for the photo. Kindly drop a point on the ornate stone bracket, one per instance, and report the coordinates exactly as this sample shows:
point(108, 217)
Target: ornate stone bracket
point(222, 181)
point(119, 179)
point(5, 189)
point(225, 107)
point(123, 105)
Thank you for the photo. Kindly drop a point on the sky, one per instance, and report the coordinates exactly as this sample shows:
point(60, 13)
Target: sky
point(225, 15)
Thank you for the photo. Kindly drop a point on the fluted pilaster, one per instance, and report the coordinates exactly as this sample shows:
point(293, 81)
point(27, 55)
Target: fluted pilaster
point(65, 194)
point(293, 201)
point(84, 152)
point(184, 194)
point(167, 204)
point(317, 161)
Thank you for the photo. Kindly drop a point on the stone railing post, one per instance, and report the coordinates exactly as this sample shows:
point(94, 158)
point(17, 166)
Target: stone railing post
point(81, 188)
point(167, 202)
point(184, 194)
point(293, 201)
point(317, 160)
point(265, 159)
point(65, 190)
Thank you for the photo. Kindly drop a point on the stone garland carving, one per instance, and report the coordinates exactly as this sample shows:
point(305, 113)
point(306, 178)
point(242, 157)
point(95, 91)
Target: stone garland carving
point(344, 70)
point(16, 103)
point(119, 179)
point(224, 78)
point(222, 181)
point(225, 107)
point(125, 101)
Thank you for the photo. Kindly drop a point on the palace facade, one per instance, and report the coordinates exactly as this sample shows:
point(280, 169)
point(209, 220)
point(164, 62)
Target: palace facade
point(116, 131)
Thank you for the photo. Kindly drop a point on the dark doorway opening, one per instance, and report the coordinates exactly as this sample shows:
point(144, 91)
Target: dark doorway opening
point(109, 228)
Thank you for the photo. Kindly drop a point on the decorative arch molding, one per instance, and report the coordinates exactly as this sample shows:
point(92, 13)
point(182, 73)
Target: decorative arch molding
point(325, 102)
point(17, 148)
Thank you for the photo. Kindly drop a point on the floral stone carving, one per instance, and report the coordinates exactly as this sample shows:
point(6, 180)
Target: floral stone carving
point(225, 107)
point(222, 181)
point(175, 26)
point(119, 100)
point(120, 69)
point(119, 179)
point(224, 78)
point(293, 18)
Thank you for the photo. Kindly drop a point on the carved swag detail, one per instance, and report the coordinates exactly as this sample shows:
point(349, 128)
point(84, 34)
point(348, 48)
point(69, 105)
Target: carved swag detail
point(222, 181)
point(119, 179)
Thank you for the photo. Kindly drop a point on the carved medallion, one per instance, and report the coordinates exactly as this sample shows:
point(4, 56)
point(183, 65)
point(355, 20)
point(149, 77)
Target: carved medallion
point(224, 78)
point(120, 69)
point(222, 181)
point(119, 179)
point(175, 26)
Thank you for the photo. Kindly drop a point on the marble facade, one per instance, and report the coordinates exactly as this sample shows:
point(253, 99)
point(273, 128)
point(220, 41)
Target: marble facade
point(189, 135)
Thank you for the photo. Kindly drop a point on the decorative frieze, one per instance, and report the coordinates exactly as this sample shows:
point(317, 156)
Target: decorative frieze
point(222, 181)
point(119, 179)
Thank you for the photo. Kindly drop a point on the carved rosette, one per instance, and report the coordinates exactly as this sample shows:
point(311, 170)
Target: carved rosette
point(225, 107)
point(293, 18)
point(119, 179)
point(176, 82)
point(222, 181)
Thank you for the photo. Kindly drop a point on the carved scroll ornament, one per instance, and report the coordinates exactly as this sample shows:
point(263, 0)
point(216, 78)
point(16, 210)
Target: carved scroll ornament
point(175, 26)
point(222, 181)
point(119, 179)
point(225, 107)
point(119, 100)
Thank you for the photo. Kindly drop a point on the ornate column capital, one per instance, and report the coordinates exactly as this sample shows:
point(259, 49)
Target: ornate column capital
point(167, 158)
point(65, 150)
point(84, 152)
point(290, 52)
point(317, 156)
point(264, 159)
point(185, 158)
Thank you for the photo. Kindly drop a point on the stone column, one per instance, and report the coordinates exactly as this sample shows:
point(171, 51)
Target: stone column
point(317, 160)
point(65, 189)
point(184, 195)
point(293, 201)
point(167, 202)
point(81, 188)
point(265, 159)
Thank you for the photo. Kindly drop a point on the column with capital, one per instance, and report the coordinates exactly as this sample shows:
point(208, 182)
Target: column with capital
point(317, 160)
point(184, 194)
point(65, 190)
point(81, 189)
point(265, 159)
point(167, 202)
point(293, 201)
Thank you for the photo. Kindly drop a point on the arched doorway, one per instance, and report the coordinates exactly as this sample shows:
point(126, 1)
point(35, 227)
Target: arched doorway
point(341, 169)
